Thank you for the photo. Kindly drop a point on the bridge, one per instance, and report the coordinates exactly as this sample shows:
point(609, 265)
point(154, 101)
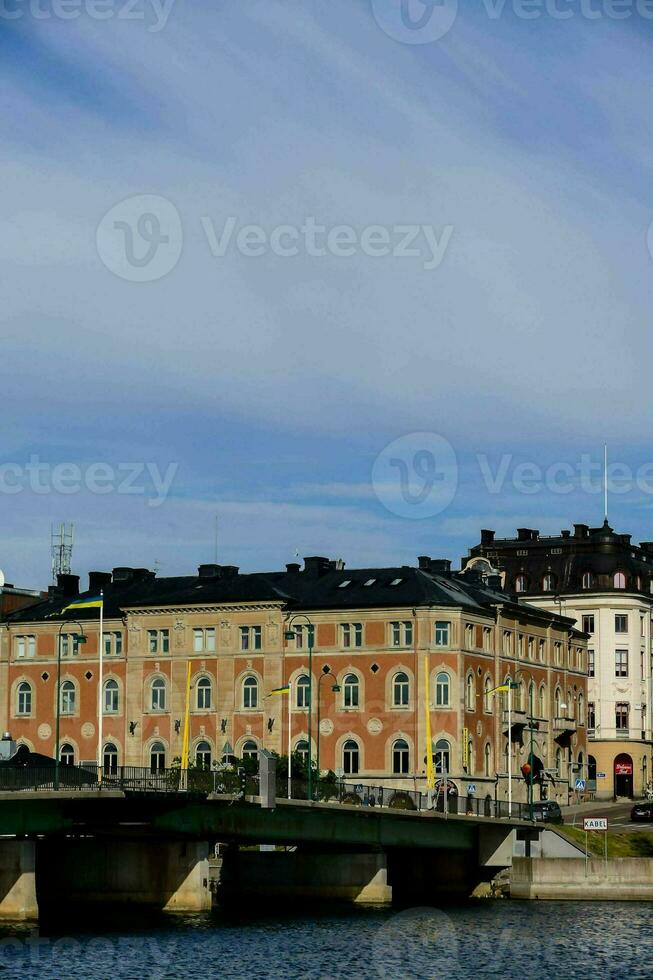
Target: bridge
point(143, 839)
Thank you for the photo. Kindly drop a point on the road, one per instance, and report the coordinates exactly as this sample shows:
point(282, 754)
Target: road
point(618, 815)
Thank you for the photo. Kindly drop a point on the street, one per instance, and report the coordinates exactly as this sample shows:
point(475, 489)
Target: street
point(618, 815)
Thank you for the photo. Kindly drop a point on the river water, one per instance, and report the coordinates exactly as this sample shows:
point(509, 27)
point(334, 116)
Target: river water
point(486, 939)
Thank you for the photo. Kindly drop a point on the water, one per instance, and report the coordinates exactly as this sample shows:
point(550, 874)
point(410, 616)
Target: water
point(486, 939)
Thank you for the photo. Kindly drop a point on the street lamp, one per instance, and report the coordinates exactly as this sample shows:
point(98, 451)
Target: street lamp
point(78, 638)
point(336, 690)
point(290, 634)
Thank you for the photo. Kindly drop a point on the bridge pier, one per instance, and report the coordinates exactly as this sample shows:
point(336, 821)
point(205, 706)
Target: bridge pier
point(18, 881)
point(169, 875)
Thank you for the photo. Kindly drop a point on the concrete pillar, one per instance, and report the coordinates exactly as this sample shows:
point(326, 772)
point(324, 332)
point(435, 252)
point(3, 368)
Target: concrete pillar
point(18, 881)
point(171, 875)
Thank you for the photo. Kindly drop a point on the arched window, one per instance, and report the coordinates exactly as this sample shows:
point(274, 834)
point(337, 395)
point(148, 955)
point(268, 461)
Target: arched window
point(157, 757)
point(559, 762)
point(557, 701)
point(581, 709)
point(549, 582)
point(68, 698)
point(488, 759)
point(67, 755)
point(531, 697)
point(250, 750)
point(519, 697)
point(442, 756)
point(442, 690)
point(588, 580)
point(487, 697)
point(203, 694)
point(351, 690)
point(591, 767)
point(400, 757)
point(24, 699)
point(619, 580)
point(158, 694)
point(581, 764)
point(521, 583)
point(203, 755)
point(111, 699)
point(303, 688)
point(302, 750)
point(400, 690)
point(350, 757)
point(471, 762)
point(542, 703)
point(470, 698)
point(110, 760)
point(250, 692)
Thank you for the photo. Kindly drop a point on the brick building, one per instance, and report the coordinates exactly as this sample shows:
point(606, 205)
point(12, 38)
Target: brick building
point(372, 631)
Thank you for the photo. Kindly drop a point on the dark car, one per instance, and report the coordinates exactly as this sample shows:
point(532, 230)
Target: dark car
point(642, 812)
point(547, 811)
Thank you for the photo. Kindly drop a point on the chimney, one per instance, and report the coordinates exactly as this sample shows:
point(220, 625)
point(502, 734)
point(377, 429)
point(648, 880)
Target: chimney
point(316, 566)
point(581, 530)
point(122, 574)
point(523, 533)
point(424, 563)
point(98, 581)
point(68, 584)
point(494, 582)
point(566, 534)
point(441, 566)
point(217, 571)
point(487, 537)
point(293, 568)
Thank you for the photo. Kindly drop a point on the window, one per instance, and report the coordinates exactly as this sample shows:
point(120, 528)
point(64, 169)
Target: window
point(400, 757)
point(507, 643)
point(303, 687)
point(442, 633)
point(111, 697)
point(250, 693)
point(251, 637)
point(352, 634)
point(304, 636)
point(69, 644)
point(581, 709)
point(110, 760)
point(302, 750)
point(350, 757)
point(487, 703)
point(24, 699)
point(588, 580)
point(521, 584)
point(542, 703)
point(68, 698)
point(621, 716)
point(25, 646)
point(157, 757)
point(111, 644)
point(204, 689)
point(588, 623)
point(343, 585)
point(369, 582)
point(591, 715)
point(487, 639)
point(158, 694)
point(549, 583)
point(488, 759)
point(621, 623)
point(470, 695)
point(158, 641)
point(67, 755)
point(540, 650)
point(401, 634)
point(203, 755)
point(351, 689)
point(557, 702)
point(557, 652)
point(198, 641)
point(619, 580)
point(442, 690)
point(400, 690)
point(559, 761)
point(531, 647)
point(396, 581)
point(590, 663)
point(469, 636)
point(442, 755)
point(621, 663)
point(250, 750)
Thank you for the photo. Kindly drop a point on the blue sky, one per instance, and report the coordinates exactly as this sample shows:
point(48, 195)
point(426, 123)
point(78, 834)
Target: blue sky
point(272, 384)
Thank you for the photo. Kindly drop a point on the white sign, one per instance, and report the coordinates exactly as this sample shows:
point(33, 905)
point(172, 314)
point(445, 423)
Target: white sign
point(580, 785)
point(471, 788)
point(595, 823)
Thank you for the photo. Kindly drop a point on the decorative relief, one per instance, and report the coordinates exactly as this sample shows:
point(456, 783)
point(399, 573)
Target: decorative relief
point(44, 731)
point(375, 726)
point(273, 634)
point(326, 727)
point(88, 730)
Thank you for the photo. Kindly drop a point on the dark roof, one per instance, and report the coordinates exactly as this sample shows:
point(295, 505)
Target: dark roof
point(321, 585)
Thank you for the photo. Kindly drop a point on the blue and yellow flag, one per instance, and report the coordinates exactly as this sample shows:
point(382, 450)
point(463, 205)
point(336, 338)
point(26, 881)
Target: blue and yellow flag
point(85, 603)
point(280, 690)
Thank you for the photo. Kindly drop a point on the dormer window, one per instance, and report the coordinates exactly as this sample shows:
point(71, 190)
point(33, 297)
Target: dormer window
point(588, 580)
point(521, 583)
point(619, 580)
point(549, 582)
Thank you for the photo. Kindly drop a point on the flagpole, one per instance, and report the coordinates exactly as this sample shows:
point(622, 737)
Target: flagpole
point(100, 692)
point(185, 745)
point(510, 748)
point(605, 480)
point(289, 740)
point(430, 779)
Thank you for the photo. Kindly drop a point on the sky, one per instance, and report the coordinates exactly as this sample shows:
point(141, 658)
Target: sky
point(346, 277)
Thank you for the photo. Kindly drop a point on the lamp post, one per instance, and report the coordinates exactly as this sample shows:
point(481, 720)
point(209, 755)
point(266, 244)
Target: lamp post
point(77, 638)
point(335, 688)
point(290, 634)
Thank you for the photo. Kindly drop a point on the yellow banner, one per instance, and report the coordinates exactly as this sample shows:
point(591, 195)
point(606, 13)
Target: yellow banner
point(465, 748)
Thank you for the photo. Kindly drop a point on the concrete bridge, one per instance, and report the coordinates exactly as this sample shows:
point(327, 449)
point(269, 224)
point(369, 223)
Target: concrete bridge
point(91, 845)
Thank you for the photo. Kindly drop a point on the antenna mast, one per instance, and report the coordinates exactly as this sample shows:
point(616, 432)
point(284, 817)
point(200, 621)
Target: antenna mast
point(605, 481)
point(62, 539)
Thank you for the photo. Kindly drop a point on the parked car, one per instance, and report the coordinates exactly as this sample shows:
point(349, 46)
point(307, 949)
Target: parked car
point(547, 811)
point(642, 812)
